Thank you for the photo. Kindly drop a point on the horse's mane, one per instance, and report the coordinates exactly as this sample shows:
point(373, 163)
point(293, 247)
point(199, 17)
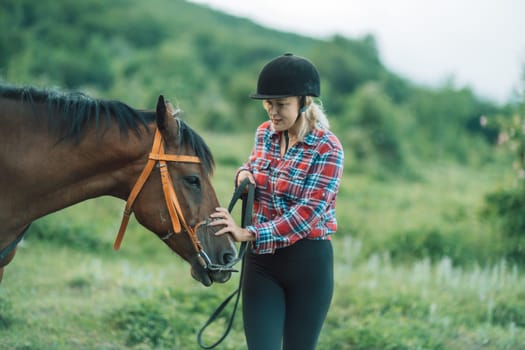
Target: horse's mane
point(189, 137)
point(69, 113)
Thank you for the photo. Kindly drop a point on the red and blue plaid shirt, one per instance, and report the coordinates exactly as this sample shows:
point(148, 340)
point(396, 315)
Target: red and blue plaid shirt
point(295, 195)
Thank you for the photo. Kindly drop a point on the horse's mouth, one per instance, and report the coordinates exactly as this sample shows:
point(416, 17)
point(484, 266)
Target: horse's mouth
point(206, 277)
point(203, 278)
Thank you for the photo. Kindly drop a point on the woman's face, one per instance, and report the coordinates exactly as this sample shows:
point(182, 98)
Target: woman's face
point(282, 112)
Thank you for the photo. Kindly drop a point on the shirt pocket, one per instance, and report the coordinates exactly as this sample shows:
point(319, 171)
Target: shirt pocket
point(261, 173)
point(290, 184)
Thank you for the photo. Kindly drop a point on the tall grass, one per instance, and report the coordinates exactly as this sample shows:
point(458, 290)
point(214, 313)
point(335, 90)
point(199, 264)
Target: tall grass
point(422, 305)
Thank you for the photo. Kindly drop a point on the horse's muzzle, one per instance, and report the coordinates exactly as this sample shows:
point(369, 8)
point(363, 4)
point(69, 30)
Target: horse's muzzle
point(217, 265)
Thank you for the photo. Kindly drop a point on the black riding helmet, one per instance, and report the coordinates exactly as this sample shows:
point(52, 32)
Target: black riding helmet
point(286, 76)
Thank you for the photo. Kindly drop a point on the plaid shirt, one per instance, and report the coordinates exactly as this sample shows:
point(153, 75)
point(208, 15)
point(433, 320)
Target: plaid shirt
point(295, 195)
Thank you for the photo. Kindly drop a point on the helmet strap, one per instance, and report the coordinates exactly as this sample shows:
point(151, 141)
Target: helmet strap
point(302, 104)
point(286, 141)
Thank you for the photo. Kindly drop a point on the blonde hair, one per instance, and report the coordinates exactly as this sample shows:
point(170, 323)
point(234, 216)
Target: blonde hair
point(314, 118)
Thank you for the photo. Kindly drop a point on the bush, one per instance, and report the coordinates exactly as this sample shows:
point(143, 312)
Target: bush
point(509, 207)
point(143, 323)
point(505, 209)
point(508, 312)
point(422, 243)
point(173, 317)
point(372, 135)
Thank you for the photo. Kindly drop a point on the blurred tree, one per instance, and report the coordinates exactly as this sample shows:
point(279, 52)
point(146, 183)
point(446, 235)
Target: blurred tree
point(74, 71)
point(506, 207)
point(398, 88)
point(373, 126)
point(444, 117)
point(345, 64)
point(209, 62)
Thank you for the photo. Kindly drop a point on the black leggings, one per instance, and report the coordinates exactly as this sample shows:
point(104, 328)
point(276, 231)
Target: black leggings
point(286, 296)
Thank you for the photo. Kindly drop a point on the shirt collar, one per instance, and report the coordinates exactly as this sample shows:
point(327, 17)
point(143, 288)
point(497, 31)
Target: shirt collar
point(311, 139)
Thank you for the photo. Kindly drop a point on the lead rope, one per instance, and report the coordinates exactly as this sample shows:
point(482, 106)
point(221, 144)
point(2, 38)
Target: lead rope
point(5, 252)
point(246, 217)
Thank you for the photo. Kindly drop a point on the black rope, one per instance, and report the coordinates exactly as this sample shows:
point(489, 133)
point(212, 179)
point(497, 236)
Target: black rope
point(246, 218)
point(5, 252)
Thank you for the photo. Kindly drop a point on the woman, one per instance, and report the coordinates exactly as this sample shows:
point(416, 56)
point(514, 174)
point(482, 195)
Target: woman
point(296, 165)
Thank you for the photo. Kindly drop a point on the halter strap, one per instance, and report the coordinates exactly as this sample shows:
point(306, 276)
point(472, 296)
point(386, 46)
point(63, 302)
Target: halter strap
point(177, 218)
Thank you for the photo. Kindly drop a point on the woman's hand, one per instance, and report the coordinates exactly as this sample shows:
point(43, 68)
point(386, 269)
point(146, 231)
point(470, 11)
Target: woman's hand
point(223, 217)
point(243, 174)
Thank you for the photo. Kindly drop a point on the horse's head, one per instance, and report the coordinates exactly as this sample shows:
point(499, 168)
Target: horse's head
point(177, 204)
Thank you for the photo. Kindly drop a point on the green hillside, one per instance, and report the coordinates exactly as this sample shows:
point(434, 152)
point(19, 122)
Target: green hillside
point(208, 61)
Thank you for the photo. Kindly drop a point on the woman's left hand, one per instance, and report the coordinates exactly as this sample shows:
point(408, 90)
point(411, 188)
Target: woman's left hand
point(223, 217)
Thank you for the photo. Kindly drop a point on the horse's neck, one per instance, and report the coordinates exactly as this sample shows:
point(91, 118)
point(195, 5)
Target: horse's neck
point(41, 176)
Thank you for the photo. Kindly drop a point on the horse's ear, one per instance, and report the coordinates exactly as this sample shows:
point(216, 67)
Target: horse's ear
point(162, 122)
point(166, 119)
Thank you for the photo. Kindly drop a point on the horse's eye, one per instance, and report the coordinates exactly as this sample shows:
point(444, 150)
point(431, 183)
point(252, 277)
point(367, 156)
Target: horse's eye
point(193, 181)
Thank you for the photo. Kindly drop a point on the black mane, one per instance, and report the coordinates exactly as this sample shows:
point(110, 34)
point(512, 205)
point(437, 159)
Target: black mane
point(69, 113)
point(189, 137)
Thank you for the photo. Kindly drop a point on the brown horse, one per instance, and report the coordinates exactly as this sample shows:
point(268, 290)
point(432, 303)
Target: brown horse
point(58, 149)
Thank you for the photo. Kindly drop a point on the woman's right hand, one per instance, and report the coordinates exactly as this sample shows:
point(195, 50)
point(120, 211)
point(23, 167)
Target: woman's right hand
point(243, 174)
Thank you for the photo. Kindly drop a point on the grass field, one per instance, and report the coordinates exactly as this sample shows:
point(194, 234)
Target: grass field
point(76, 293)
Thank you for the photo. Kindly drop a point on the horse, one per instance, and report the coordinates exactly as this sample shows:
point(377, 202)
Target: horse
point(61, 148)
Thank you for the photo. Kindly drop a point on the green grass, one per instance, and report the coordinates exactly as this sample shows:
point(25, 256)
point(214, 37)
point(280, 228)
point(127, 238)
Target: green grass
point(391, 293)
point(60, 298)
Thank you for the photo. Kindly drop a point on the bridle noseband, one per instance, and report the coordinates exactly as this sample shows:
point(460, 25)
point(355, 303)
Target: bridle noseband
point(178, 221)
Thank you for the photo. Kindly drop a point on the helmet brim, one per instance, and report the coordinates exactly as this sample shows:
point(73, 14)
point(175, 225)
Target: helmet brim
point(256, 96)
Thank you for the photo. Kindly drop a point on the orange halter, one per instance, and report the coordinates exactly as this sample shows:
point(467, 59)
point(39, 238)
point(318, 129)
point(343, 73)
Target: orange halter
point(177, 218)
